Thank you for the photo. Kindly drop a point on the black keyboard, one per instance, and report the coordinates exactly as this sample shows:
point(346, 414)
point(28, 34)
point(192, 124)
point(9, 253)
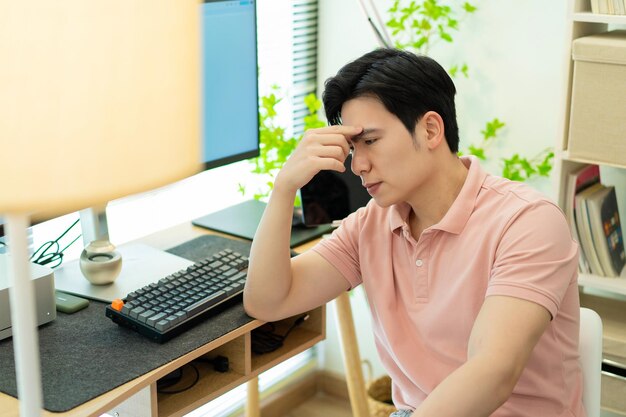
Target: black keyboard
point(178, 301)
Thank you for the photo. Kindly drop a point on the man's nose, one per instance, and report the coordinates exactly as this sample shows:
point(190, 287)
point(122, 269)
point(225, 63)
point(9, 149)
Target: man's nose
point(359, 163)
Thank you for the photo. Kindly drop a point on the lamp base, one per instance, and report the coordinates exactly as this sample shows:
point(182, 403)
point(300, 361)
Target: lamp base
point(142, 265)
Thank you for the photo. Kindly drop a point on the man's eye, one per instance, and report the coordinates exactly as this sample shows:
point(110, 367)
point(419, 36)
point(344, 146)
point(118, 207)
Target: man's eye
point(369, 141)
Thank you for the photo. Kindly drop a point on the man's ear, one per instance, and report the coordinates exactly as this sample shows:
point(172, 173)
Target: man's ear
point(435, 132)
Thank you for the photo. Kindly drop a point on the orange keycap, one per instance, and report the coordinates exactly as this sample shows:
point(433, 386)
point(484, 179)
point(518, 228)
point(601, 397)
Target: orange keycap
point(117, 304)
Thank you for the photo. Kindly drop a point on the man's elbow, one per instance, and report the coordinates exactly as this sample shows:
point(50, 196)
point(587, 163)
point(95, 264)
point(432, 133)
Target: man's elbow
point(253, 308)
point(250, 307)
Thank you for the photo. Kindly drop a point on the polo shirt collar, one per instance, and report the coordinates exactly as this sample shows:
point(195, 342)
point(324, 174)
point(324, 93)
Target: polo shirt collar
point(459, 213)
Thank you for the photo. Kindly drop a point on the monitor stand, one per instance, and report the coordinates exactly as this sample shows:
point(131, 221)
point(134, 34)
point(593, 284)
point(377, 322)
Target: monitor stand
point(241, 220)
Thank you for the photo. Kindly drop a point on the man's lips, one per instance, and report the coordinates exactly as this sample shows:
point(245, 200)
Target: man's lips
point(371, 186)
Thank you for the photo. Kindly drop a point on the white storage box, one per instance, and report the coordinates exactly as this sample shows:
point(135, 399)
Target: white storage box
point(598, 112)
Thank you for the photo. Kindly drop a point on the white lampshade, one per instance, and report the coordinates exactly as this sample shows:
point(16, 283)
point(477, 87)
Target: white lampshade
point(98, 99)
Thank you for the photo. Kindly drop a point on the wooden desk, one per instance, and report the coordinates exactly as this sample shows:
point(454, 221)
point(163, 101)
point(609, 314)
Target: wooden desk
point(139, 397)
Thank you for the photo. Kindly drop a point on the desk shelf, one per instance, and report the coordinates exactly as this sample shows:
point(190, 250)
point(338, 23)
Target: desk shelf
point(210, 386)
point(211, 383)
point(243, 364)
point(300, 339)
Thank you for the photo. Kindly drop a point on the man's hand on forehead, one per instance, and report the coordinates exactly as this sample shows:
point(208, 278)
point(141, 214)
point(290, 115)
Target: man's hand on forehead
point(347, 130)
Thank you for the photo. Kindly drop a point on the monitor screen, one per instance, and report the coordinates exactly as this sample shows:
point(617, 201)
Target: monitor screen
point(230, 119)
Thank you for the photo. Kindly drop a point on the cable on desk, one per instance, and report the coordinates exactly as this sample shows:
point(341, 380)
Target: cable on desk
point(265, 339)
point(166, 382)
point(220, 363)
point(51, 251)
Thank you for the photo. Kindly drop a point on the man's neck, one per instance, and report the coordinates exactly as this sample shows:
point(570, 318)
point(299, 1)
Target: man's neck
point(434, 202)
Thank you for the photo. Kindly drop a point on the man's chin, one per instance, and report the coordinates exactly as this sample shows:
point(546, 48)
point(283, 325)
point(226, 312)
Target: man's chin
point(383, 203)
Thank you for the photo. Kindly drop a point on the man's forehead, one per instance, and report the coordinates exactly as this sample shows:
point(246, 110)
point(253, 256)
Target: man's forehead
point(365, 132)
point(364, 110)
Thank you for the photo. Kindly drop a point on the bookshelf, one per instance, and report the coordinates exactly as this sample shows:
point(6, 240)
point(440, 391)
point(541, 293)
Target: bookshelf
point(589, 17)
point(581, 22)
point(606, 291)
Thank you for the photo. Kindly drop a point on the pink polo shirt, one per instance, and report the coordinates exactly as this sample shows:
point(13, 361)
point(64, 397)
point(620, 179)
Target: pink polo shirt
point(498, 238)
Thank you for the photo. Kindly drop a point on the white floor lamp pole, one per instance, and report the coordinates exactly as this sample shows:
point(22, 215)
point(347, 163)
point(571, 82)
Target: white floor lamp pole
point(23, 318)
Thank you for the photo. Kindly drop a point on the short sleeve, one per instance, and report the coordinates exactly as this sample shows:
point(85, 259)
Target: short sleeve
point(341, 248)
point(536, 258)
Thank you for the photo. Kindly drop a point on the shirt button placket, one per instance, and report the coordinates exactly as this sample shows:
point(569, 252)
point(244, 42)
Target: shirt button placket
point(421, 278)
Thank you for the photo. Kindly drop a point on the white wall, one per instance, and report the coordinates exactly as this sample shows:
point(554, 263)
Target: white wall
point(514, 50)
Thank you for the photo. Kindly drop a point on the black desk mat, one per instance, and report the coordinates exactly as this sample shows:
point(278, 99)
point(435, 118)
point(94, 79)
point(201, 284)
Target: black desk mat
point(85, 354)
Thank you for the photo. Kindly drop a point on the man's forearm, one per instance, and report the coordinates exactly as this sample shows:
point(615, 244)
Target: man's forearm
point(476, 389)
point(269, 273)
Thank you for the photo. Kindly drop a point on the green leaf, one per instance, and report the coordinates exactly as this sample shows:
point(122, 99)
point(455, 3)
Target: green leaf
point(445, 36)
point(312, 103)
point(527, 167)
point(394, 8)
point(452, 71)
point(545, 166)
point(393, 23)
point(464, 70)
point(476, 151)
point(420, 42)
point(469, 8)
point(491, 129)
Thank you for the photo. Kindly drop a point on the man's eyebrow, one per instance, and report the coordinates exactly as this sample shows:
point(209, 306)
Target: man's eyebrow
point(365, 132)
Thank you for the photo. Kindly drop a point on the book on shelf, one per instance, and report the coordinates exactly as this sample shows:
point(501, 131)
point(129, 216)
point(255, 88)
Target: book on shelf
point(603, 6)
point(606, 230)
point(595, 6)
point(584, 229)
point(615, 7)
point(577, 181)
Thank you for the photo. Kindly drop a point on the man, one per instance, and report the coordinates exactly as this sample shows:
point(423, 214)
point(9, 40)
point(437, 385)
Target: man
point(471, 278)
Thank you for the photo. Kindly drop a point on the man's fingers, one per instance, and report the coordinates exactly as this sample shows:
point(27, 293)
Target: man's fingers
point(347, 129)
point(331, 164)
point(344, 130)
point(336, 152)
point(331, 139)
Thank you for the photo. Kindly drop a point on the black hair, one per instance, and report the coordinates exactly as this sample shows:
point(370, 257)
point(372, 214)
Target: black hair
point(408, 85)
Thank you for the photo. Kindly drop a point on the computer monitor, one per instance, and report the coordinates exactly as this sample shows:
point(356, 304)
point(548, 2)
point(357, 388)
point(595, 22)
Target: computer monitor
point(230, 115)
point(230, 108)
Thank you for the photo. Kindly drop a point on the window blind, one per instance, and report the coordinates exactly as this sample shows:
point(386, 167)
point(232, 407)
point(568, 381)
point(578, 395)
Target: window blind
point(287, 36)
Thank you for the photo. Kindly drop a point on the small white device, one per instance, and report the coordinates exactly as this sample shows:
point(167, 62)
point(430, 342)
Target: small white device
point(43, 281)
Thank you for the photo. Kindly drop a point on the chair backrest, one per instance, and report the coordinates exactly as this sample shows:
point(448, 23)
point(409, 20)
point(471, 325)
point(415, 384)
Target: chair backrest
point(590, 350)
